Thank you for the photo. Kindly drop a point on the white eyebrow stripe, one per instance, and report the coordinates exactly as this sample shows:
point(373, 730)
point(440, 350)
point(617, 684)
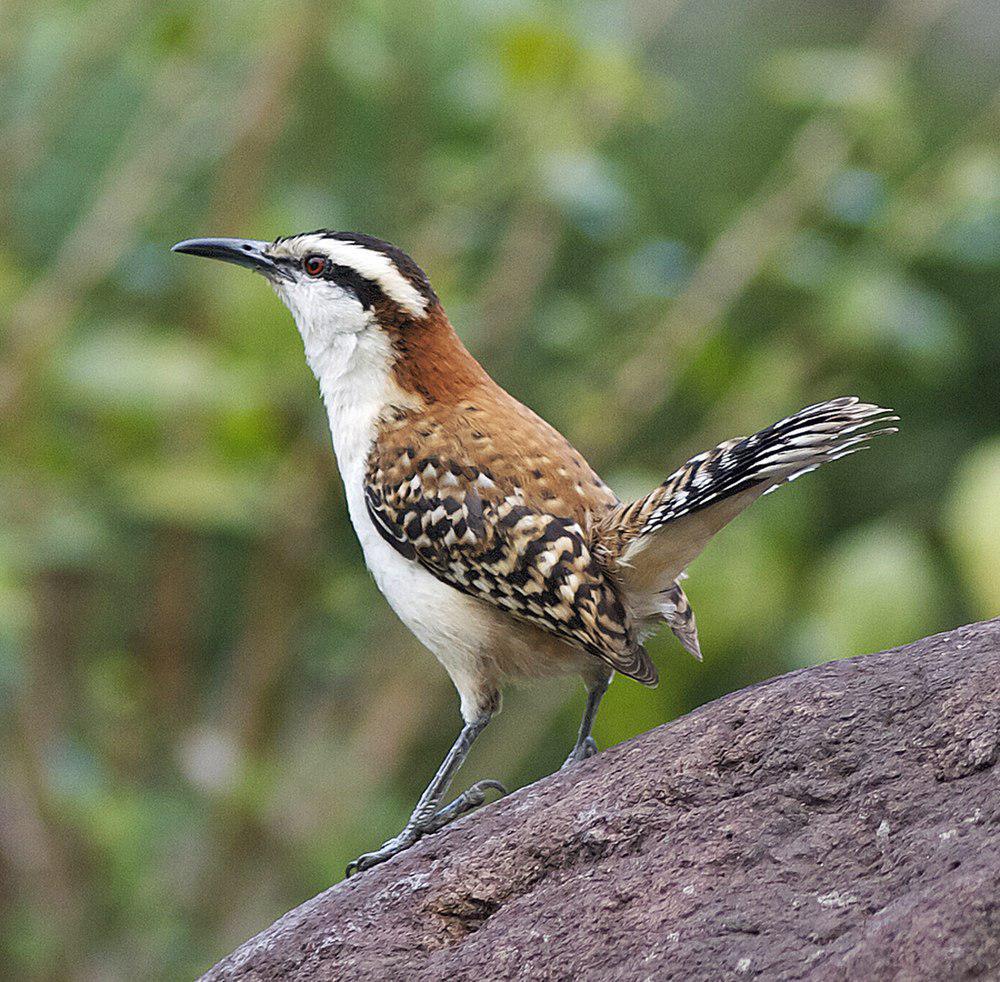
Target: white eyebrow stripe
point(374, 266)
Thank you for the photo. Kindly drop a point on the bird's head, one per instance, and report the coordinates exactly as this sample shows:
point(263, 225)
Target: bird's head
point(334, 283)
point(363, 308)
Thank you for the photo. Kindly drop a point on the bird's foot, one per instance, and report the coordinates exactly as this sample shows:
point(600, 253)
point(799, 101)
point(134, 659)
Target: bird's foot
point(465, 802)
point(582, 751)
point(419, 826)
point(387, 850)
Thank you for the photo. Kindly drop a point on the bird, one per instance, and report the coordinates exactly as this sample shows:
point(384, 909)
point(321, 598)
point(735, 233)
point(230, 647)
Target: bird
point(488, 533)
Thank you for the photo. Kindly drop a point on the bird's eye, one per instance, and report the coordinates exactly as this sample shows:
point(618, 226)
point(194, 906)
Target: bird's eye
point(314, 265)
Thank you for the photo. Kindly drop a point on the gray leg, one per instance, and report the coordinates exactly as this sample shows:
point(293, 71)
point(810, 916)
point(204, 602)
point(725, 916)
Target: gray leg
point(428, 816)
point(585, 746)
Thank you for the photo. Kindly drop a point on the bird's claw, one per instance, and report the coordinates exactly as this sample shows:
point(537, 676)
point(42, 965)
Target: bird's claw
point(582, 751)
point(387, 850)
point(465, 802)
point(473, 797)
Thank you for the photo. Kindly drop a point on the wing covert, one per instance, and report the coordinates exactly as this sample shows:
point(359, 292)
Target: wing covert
point(490, 542)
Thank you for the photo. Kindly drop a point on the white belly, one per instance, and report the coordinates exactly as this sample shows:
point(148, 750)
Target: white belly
point(459, 630)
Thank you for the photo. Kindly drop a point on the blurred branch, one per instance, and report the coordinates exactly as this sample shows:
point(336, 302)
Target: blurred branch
point(524, 258)
point(98, 32)
point(276, 581)
point(534, 231)
point(264, 105)
point(925, 181)
point(172, 611)
point(202, 123)
point(42, 849)
point(820, 148)
point(736, 257)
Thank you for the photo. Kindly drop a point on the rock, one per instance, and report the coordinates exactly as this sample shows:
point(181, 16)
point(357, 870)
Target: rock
point(840, 822)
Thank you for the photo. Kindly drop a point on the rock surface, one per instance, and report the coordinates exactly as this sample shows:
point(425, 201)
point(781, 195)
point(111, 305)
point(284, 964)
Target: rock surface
point(842, 822)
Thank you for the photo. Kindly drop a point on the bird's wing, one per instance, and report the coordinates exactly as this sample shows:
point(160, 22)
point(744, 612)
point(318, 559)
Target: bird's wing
point(653, 539)
point(489, 542)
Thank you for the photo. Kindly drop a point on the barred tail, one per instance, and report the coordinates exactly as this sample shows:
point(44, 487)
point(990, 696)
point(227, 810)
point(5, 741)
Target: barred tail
point(656, 537)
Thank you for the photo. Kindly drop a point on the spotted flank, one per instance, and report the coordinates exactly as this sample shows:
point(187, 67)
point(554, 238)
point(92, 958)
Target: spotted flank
point(779, 453)
point(489, 542)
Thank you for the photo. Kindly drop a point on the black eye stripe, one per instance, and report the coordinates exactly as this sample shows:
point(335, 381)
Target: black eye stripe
point(367, 292)
point(407, 268)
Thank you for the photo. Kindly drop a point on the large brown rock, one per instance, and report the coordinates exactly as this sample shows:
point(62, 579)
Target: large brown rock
point(836, 823)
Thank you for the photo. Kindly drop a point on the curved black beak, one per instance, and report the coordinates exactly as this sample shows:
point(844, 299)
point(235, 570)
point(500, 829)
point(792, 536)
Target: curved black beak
point(242, 252)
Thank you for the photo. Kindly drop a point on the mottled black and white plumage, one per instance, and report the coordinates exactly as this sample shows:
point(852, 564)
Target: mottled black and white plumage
point(482, 535)
point(654, 538)
point(778, 453)
point(488, 533)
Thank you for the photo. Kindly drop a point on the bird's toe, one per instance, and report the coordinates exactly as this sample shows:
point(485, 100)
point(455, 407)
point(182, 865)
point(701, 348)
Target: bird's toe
point(582, 751)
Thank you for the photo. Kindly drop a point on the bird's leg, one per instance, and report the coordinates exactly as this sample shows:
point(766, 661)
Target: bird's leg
point(428, 816)
point(585, 746)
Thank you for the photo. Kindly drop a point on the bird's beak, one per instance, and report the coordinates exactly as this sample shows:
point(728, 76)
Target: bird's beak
point(243, 252)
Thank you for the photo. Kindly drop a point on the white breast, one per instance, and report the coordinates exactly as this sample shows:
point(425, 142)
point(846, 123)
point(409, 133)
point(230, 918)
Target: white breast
point(356, 388)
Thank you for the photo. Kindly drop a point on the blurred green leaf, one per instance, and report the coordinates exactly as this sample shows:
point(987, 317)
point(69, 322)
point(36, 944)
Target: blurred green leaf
point(130, 369)
point(846, 78)
point(875, 589)
point(973, 525)
point(195, 494)
point(877, 306)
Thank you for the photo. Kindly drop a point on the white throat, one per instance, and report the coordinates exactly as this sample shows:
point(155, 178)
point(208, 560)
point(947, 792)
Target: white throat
point(355, 381)
point(352, 359)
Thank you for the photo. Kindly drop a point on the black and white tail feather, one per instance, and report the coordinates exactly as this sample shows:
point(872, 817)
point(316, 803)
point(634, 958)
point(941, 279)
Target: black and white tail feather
point(655, 538)
point(779, 453)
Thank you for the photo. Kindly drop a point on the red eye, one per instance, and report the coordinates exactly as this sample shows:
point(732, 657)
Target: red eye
point(314, 265)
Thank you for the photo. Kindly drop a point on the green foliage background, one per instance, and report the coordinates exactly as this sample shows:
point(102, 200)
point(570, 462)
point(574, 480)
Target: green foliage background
point(660, 224)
